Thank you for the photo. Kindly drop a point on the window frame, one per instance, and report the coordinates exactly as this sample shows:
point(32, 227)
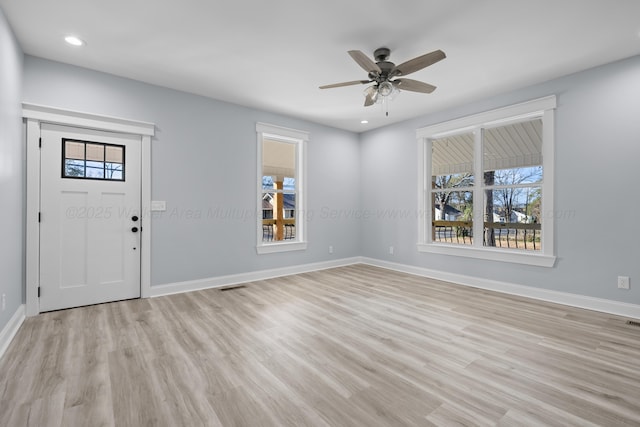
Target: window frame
point(543, 108)
point(104, 146)
point(300, 139)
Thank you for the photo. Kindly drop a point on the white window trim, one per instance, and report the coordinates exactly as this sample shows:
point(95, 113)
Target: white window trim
point(301, 138)
point(542, 107)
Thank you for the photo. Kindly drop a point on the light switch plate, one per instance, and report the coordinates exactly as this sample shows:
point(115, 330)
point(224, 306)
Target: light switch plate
point(158, 205)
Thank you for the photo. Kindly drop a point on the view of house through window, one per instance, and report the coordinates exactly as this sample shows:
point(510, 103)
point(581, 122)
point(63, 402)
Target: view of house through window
point(510, 186)
point(281, 198)
point(278, 190)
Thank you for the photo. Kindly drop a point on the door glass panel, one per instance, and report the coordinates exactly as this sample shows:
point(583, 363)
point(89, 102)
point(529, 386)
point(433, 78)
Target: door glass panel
point(92, 160)
point(95, 152)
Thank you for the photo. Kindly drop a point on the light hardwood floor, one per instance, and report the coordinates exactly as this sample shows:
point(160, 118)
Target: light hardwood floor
point(351, 346)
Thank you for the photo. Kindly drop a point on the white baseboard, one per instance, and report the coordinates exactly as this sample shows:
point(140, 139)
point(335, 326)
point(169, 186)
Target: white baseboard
point(573, 300)
point(10, 330)
point(234, 279)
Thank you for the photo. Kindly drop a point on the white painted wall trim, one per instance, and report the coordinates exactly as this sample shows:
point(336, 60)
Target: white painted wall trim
point(541, 108)
point(234, 279)
point(272, 248)
point(573, 300)
point(564, 298)
point(59, 116)
point(145, 221)
point(32, 227)
point(11, 329)
point(300, 139)
point(35, 115)
point(492, 254)
point(494, 117)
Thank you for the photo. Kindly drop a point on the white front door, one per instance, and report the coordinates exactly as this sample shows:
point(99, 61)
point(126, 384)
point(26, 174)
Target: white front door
point(90, 217)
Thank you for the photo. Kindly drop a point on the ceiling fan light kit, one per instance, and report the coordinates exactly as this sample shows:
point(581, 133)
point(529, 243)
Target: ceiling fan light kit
point(383, 74)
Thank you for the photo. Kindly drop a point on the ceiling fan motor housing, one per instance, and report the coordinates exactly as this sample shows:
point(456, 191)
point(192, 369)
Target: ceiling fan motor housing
point(381, 54)
point(386, 67)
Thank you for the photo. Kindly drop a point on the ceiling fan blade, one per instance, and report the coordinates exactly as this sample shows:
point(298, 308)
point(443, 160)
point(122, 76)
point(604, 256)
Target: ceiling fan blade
point(418, 63)
point(413, 85)
point(365, 62)
point(371, 96)
point(351, 83)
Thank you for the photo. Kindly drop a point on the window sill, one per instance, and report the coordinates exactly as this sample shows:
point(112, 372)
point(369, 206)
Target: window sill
point(271, 248)
point(538, 260)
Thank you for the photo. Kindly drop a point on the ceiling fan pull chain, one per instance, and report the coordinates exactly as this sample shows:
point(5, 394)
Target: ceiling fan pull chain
point(385, 105)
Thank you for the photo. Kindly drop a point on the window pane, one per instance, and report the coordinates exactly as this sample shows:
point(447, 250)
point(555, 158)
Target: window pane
point(452, 217)
point(97, 165)
point(74, 168)
point(289, 205)
point(452, 161)
point(513, 218)
point(93, 172)
point(114, 154)
point(513, 154)
point(267, 183)
point(278, 159)
point(74, 150)
point(95, 152)
point(289, 184)
point(288, 214)
point(279, 204)
point(113, 171)
point(267, 205)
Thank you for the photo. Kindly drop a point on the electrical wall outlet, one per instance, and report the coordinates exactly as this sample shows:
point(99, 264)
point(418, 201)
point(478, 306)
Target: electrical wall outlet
point(390, 250)
point(330, 249)
point(623, 282)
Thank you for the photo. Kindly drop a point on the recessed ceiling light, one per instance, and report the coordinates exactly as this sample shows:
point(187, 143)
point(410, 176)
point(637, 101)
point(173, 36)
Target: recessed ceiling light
point(364, 122)
point(74, 41)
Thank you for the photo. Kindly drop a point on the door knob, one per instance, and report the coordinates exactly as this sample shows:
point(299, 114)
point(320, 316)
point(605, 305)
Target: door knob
point(134, 218)
point(134, 229)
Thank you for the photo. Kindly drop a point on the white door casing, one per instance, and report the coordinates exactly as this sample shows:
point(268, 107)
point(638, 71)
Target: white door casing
point(89, 228)
point(38, 115)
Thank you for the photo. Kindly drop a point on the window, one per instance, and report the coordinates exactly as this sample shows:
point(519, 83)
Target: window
point(452, 189)
point(92, 160)
point(281, 191)
point(486, 186)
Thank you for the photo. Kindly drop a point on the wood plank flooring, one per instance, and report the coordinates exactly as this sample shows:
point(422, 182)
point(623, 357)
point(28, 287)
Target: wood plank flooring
point(350, 346)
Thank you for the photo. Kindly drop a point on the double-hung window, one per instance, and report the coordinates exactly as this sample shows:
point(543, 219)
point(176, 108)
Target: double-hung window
point(281, 189)
point(486, 185)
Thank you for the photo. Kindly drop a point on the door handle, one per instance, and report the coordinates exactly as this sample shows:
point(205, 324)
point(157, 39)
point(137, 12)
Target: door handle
point(134, 229)
point(134, 218)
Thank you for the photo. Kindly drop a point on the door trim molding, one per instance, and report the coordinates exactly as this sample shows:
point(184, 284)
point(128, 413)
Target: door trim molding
point(35, 115)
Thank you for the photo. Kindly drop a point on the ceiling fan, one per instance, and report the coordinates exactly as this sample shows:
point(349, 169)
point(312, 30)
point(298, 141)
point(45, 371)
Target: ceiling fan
point(384, 73)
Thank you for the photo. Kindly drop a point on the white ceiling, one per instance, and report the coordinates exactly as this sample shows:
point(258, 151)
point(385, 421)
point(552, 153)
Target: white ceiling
point(274, 54)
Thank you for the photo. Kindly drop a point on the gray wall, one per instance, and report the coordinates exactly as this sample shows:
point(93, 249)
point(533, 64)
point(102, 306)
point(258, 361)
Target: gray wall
point(204, 161)
point(12, 169)
point(204, 157)
point(597, 202)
